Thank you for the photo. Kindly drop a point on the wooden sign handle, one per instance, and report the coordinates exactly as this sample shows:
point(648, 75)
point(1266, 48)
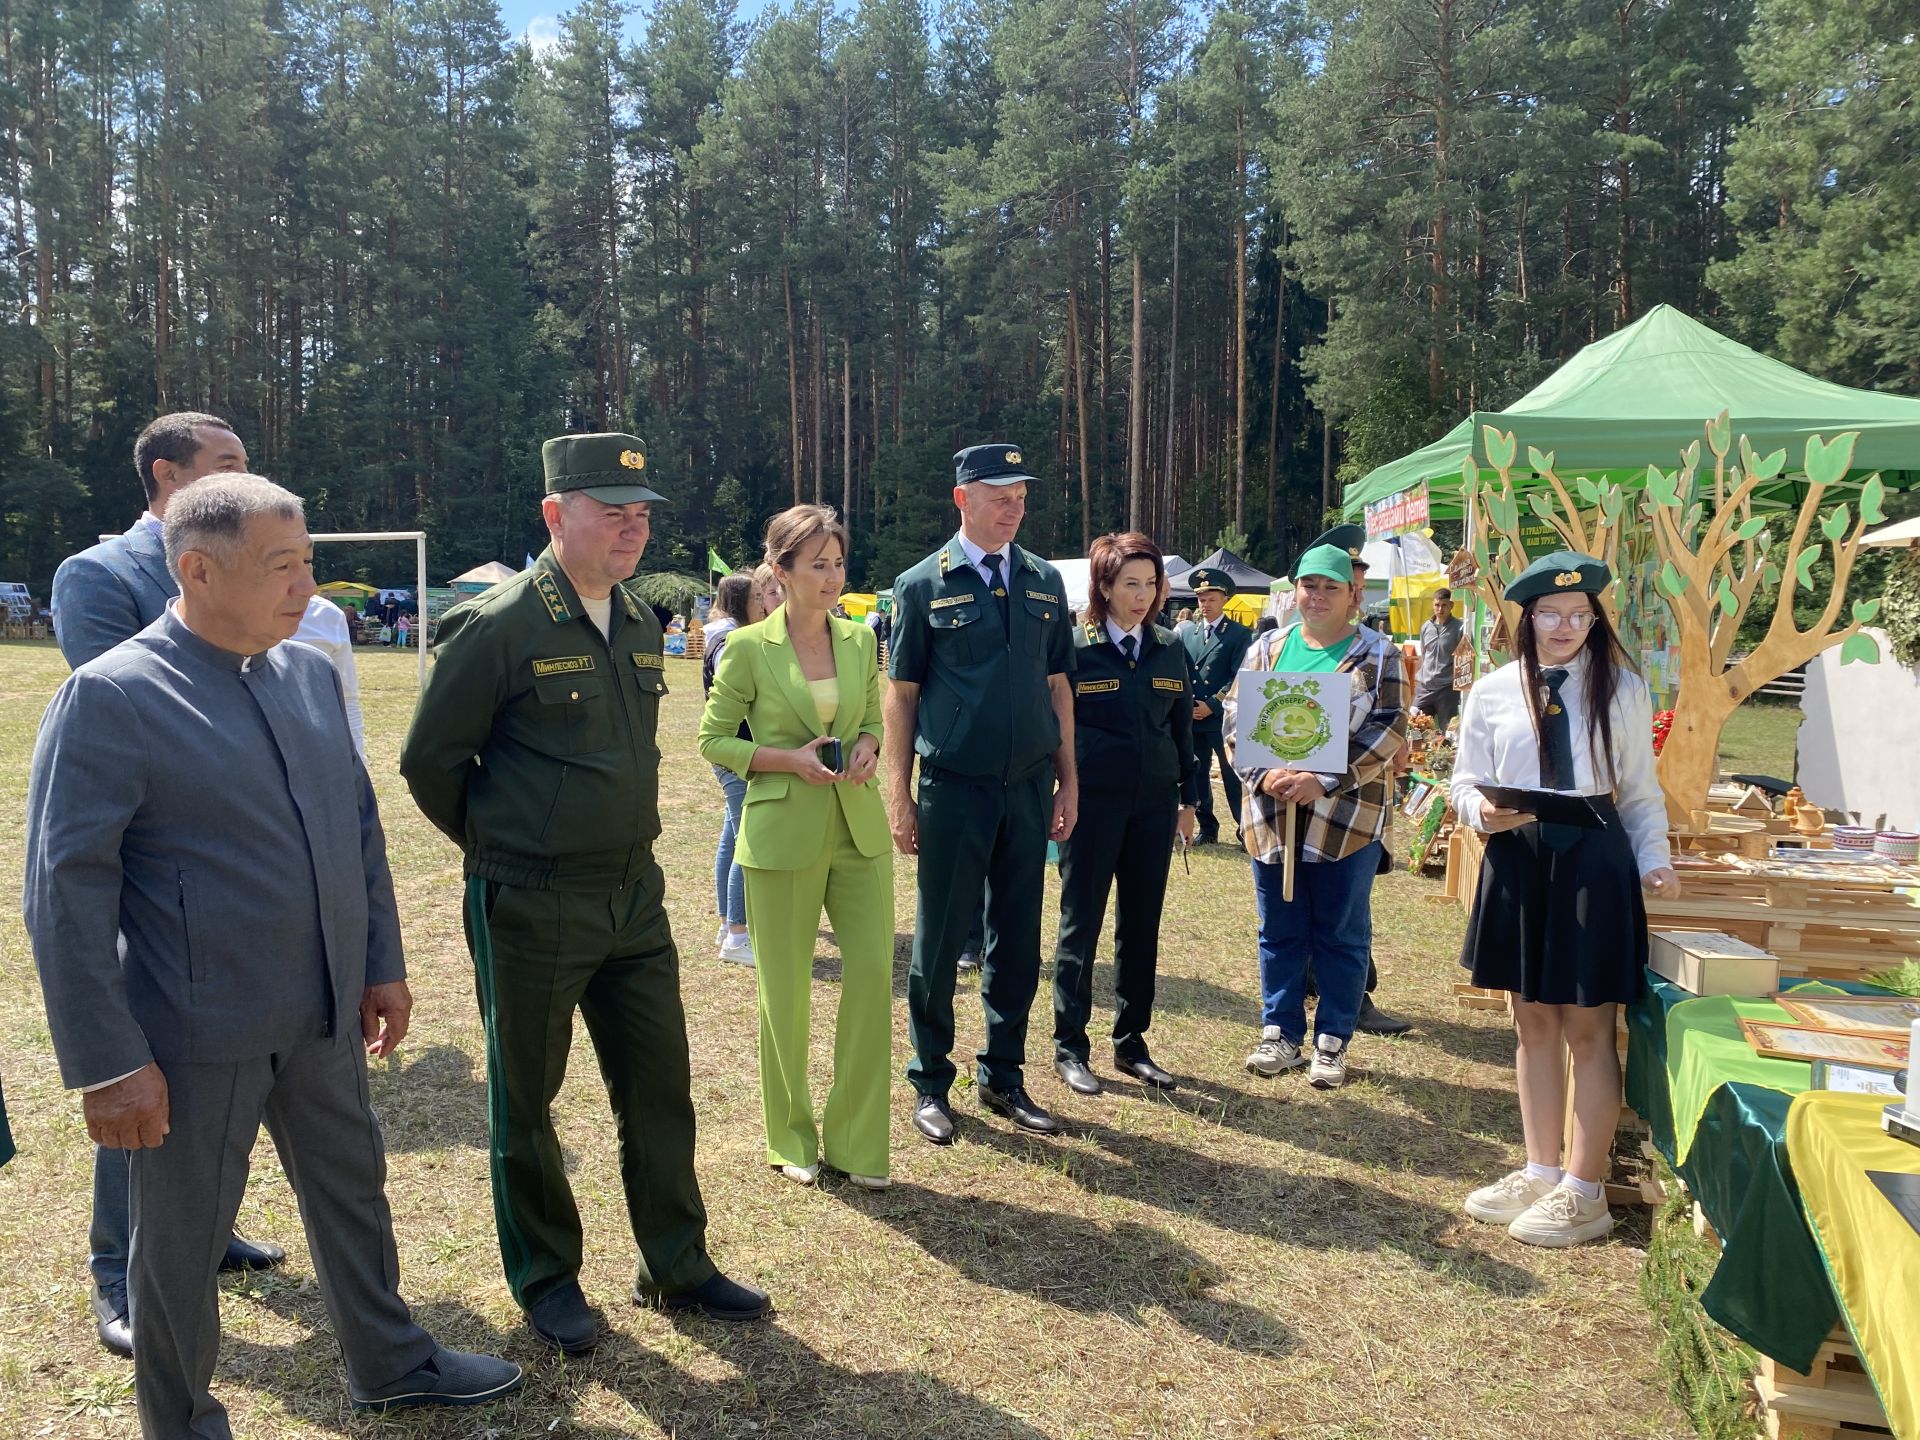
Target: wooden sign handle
point(1287, 857)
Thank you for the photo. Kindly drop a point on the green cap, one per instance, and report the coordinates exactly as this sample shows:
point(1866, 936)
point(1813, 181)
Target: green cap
point(1328, 560)
point(1564, 572)
point(995, 464)
point(1349, 538)
point(1204, 579)
point(608, 467)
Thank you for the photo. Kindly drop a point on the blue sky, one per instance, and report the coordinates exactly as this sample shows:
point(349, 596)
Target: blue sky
point(540, 17)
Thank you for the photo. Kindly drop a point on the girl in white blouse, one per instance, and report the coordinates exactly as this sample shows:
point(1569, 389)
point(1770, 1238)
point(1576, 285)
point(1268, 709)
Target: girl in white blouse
point(1559, 920)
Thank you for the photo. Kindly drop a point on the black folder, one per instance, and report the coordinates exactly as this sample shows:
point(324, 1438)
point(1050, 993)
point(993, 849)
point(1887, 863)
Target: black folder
point(1547, 806)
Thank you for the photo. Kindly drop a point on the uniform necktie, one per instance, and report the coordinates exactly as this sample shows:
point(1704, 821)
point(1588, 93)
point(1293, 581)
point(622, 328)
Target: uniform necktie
point(1556, 735)
point(1127, 644)
point(992, 562)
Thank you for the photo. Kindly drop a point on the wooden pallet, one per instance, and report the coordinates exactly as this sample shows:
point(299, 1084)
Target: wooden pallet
point(1473, 997)
point(1833, 1400)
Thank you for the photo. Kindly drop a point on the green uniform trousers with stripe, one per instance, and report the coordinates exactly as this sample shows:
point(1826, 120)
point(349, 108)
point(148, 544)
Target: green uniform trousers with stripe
point(538, 956)
point(783, 917)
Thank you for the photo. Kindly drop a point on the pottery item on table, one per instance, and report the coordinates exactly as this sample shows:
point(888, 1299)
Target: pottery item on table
point(1854, 837)
point(1901, 846)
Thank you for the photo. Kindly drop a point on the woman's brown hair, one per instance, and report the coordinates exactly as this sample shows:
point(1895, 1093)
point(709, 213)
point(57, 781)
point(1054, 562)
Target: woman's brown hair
point(730, 597)
point(791, 531)
point(1104, 562)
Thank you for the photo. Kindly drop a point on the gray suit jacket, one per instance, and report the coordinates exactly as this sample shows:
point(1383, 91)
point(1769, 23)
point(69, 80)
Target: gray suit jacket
point(110, 592)
point(161, 870)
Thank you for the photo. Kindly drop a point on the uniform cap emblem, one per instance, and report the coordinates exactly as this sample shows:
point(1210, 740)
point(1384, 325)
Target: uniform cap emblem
point(1566, 578)
point(1013, 457)
point(633, 460)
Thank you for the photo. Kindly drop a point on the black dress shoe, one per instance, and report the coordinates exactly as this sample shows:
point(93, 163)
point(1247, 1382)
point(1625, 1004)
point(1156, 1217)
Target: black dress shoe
point(1375, 1021)
point(1145, 1071)
point(1077, 1077)
point(1018, 1107)
point(245, 1254)
point(718, 1298)
point(563, 1319)
point(110, 1322)
point(933, 1119)
point(969, 960)
point(1207, 837)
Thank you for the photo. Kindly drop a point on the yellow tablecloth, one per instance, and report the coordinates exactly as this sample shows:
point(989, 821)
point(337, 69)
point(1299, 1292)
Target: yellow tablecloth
point(1872, 1253)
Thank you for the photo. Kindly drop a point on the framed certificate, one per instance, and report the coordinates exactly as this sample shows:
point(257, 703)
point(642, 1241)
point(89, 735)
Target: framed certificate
point(1862, 1014)
point(1798, 1042)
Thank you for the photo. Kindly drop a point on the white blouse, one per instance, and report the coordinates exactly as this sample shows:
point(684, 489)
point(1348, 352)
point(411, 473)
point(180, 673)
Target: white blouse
point(1498, 746)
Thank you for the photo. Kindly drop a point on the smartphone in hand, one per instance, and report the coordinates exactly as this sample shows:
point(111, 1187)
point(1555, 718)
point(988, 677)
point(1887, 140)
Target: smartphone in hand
point(833, 755)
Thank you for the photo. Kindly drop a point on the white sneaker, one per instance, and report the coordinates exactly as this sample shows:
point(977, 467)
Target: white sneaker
point(721, 937)
point(1562, 1217)
point(737, 949)
point(1274, 1054)
point(800, 1174)
point(869, 1182)
point(1508, 1198)
point(1329, 1070)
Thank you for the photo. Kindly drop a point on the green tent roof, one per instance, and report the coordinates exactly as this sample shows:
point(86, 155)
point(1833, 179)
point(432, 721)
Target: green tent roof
point(1642, 395)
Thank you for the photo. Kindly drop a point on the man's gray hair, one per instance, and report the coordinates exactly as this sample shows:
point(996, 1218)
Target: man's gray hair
point(211, 515)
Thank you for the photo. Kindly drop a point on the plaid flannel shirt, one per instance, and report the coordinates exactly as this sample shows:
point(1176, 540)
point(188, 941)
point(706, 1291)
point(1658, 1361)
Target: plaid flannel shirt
point(1356, 810)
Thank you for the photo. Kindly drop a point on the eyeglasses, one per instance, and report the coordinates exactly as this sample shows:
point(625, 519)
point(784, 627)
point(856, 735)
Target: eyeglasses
point(1550, 620)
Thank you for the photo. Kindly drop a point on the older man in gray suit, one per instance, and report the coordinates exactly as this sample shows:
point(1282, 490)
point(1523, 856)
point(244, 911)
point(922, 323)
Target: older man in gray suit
point(108, 593)
point(214, 923)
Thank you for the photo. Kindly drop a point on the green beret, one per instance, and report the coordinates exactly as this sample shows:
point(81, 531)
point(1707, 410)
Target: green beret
point(1564, 572)
point(1203, 579)
point(607, 467)
point(995, 464)
point(1328, 560)
point(1350, 538)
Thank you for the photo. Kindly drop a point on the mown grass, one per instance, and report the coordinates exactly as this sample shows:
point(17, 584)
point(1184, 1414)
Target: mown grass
point(1248, 1259)
point(1761, 738)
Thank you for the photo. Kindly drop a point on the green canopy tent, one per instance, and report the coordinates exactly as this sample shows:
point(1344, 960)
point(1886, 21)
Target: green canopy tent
point(1641, 396)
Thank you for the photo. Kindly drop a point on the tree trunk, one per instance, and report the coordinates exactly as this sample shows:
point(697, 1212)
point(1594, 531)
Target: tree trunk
point(793, 382)
point(846, 430)
point(1077, 356)
point(1137, 396)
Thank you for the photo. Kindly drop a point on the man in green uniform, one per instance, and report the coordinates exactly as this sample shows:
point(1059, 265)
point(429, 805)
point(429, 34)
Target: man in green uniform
point(534, 750)
point(982, 648)
point(1216, 644)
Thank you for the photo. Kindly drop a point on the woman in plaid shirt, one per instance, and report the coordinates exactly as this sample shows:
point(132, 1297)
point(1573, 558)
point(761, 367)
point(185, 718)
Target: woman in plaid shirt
point(1327, 928)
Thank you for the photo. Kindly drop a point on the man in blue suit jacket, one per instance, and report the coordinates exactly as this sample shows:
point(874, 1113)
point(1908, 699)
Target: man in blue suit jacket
point(108, 593)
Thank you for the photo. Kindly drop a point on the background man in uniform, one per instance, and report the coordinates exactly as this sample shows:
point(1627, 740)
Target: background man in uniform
point(982, 648)
point(552, 682)
point(1433, 692)
point(108, 593)
point(213, 919)
point(1216, 646)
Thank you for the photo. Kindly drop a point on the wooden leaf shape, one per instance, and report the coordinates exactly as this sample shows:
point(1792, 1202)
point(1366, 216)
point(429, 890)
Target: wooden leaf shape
point(1613, 502)
point(1660, 486)
point(1500, 448)
point(1803, 566)
point(1541, 463)
point(1588, 491)
point(1746, 455)
point(1541, 504)
point(1720, 434)
point(1871, 494)
point(1469, 475)
point(1692, 525)
point(1769, 467)
point(1835, 525)
point(1729, 602)
point(1865, 610)
point(1752, 528)
point(1770, 576)
point(1690, 457)
point(1671, 581)
point(1860, 646)
point(1829, 460)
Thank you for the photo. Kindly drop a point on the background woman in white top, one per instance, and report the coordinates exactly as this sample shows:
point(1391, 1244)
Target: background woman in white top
point(1559, 919)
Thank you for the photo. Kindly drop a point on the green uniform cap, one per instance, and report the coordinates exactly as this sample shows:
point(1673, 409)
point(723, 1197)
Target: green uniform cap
point(995, 464)
point(1350, 538)
point(1203, 579)
point(1564, 572)
point(1328, 560)
point(608, 467)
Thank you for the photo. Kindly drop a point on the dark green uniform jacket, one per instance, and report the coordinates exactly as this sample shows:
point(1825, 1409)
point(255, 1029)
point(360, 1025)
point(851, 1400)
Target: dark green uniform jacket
point(986, 709)
point(1215, 663)
point(565, 794)
point(1132, 722)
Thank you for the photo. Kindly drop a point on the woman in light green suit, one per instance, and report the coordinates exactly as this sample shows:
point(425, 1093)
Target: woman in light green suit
point(811, 836)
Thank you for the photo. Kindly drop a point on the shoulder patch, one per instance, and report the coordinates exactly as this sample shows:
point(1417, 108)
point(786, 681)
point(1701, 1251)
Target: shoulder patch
point(1095, 687)
point(549, 589)
point(646, 661)
point(563, 665)
point(1162, 682)
point(1092, 632)
point(633, 606)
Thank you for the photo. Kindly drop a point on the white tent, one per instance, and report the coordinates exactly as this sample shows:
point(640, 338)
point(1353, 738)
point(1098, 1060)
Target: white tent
point(483, 577)
point(1902, 533)
point(1076, 576)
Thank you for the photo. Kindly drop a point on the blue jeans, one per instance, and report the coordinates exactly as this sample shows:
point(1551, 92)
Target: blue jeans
point(729, 886)
point(1326, 930)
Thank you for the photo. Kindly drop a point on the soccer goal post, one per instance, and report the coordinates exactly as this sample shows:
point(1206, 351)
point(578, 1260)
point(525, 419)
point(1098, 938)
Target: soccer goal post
point(419, 539)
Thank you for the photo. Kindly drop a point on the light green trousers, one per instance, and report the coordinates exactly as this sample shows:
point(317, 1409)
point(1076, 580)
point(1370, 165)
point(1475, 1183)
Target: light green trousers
point(783, 917)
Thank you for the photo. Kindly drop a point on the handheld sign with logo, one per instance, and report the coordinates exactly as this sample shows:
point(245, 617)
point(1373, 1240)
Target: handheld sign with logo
point(1292, 721)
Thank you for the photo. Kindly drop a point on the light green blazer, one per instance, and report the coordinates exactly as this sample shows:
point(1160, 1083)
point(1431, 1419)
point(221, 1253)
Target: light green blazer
point(784, 822)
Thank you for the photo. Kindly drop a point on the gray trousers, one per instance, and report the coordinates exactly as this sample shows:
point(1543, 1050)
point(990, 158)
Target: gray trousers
point(187, 1191)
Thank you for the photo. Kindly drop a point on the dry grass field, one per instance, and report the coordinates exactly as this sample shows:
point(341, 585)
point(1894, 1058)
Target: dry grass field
point(1247, 1259)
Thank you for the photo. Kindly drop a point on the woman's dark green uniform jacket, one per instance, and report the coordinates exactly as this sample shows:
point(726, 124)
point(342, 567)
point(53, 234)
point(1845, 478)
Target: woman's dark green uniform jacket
point(1132, 724)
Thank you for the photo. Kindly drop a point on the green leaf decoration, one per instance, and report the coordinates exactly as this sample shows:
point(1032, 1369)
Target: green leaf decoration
point(1729, 602)
point(1506, 512)
point(1541, 463)
point(1542, 504)
point(1660, 486)
point(1770, 576)
point(1692, 525)
point(1860, 646)
point(1671, 581)
point(1469, 475)
point(1828, 461)
point(1803, 566)
point(1588, 491)
point(1746, 455)
point(1500, 448)
point(1720, 434)
point(1752, 528)
point(1690, 457)
point(1871, 494)
point(1613, 502)
point(1865, 610)
point(1835, 525)
point(1771, 466)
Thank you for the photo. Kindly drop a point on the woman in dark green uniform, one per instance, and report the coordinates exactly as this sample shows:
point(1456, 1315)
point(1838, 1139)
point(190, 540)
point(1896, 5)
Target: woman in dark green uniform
point(1133, 742)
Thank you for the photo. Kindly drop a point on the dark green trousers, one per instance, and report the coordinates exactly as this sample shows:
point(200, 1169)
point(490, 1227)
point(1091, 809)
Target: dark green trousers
point(974, 832)
point(538, 956)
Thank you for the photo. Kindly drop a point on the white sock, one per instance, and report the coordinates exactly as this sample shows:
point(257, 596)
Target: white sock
point(1549, 1173)
point(1585, 1189)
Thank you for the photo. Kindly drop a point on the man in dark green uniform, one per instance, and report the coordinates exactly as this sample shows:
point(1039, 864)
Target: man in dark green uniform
point(1216, 645)
point(982, 648)
point(534, 750)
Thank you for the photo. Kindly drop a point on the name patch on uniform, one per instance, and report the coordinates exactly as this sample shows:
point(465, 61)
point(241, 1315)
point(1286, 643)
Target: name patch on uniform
point(945, 601)
point(648, 662)
point(1160, 682)
point(1042, 595)
point(563, 665)
point(1096, 687)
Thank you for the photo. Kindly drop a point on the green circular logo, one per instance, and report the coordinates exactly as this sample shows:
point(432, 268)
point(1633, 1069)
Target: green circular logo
point(1292, 723)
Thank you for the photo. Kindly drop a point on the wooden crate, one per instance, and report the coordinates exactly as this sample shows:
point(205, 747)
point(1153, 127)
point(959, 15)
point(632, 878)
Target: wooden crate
point(1834, 1399)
